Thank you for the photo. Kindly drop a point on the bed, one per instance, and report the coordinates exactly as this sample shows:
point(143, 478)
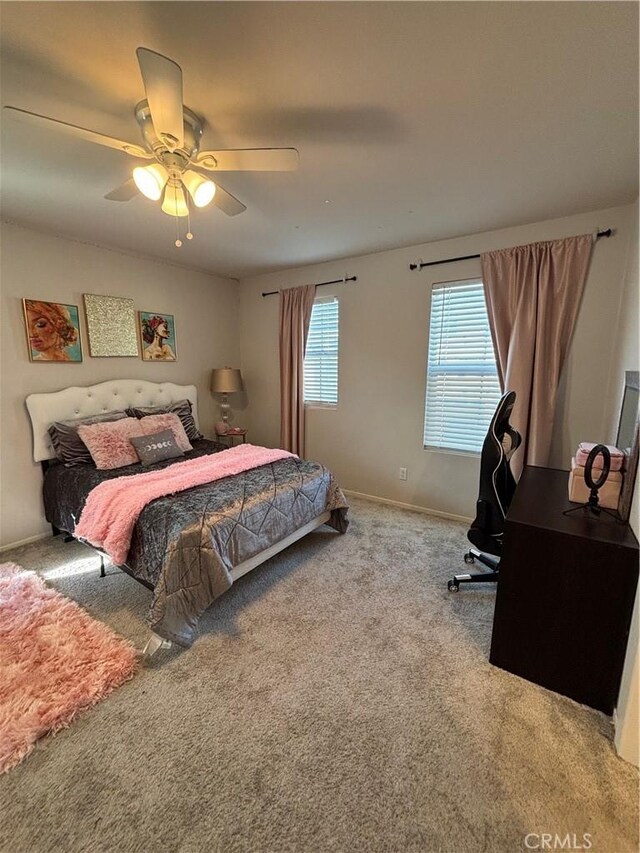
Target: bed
point(188, 547)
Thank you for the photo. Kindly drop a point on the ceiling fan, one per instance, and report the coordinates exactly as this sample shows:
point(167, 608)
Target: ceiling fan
point(171, 135)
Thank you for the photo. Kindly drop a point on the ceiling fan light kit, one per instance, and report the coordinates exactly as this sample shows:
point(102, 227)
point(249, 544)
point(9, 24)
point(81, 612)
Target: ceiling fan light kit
point(151, 180)
point(175, 202)
point(171, 136)
point(201, 189)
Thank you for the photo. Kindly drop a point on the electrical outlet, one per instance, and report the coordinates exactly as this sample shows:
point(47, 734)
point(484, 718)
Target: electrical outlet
point(403, 473)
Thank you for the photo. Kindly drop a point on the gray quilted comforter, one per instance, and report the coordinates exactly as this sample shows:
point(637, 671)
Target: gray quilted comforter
point(184, 546)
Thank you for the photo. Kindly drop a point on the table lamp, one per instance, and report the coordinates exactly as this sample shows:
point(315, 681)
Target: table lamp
point(225, 381)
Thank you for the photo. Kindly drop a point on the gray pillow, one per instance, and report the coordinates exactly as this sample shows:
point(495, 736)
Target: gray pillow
point(157, 447)
point(182, 409)
point(67, 444)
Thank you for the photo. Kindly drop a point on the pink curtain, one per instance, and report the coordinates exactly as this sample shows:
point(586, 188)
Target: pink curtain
point(533, 295)
point(296, 304)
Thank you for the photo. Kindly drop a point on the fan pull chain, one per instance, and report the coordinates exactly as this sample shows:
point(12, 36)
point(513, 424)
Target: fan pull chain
point(189, 234)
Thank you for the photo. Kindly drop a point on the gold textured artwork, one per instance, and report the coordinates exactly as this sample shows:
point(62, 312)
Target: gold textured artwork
point(111, 324)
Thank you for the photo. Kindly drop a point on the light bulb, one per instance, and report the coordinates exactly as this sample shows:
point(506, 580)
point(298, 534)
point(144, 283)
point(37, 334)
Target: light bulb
point(174, 203)
point(189, 235)
point(204, 194)
point(201, 189)
point(178, 243)
point(150, 180)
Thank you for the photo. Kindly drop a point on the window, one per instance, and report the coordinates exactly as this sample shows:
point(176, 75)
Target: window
point(321, 355)
point(462, 380)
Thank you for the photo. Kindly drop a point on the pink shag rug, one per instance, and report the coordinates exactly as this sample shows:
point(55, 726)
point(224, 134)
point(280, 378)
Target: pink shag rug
point(55, 661)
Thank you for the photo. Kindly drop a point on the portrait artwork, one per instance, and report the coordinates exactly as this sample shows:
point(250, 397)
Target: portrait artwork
point(53, 331)
point(158, 336)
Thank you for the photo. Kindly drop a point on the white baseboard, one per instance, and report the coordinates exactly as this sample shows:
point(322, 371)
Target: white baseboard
point(412, 507)
point(11, 545)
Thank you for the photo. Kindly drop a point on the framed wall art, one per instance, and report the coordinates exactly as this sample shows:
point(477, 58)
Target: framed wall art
point(53, 331)
point(157, 336)
point(111, 325)
point(628, 439)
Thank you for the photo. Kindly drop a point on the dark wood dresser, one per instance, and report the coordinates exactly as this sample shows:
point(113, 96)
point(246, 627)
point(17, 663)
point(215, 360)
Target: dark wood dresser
point(565, 594)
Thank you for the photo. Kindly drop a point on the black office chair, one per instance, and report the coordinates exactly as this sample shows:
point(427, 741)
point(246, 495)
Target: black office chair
point(497, 485)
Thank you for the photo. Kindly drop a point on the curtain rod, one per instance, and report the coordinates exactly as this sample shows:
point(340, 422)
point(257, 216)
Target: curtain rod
point(320, 284)
point(421, 265)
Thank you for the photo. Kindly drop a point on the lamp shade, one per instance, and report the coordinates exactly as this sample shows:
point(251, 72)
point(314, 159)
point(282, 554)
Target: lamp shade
point(226, 380)
point(201, 190)
point(174, 202)
point(151, 180)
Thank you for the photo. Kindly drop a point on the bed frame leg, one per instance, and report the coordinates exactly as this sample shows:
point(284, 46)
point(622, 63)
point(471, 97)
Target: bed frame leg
point(153, 645)
point(55, 531)
point(103, 574)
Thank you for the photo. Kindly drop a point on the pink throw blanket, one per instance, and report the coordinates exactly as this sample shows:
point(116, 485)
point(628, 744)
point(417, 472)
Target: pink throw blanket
point(113, 507)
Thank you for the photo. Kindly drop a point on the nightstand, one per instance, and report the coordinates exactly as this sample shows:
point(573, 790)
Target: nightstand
point(232, 435)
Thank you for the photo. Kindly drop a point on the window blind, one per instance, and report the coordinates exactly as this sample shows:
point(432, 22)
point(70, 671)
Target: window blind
point(321, 354)
point(462, 381)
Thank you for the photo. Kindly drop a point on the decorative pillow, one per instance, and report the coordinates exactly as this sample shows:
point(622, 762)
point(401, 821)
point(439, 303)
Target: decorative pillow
point(68, 445)
point(156, 447)
point(155, 423)
point(183, 409)
point(109, 443)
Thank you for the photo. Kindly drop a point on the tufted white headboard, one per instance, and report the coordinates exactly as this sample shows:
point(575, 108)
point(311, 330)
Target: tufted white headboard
point(109, 396)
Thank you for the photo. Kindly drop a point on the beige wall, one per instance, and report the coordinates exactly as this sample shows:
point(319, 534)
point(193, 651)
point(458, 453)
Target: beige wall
point(41, 266)
point(626, 357)
point(377, 426)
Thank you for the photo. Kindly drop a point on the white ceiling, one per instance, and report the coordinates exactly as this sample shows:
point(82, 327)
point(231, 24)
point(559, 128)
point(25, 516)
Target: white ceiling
point(417, 121)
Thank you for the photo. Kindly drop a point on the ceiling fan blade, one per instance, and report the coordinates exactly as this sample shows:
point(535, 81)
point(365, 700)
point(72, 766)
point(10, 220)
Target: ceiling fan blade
point(79, 132)
point(250, 160)
point(227, 203)
point(125, 192)
point(162, 78)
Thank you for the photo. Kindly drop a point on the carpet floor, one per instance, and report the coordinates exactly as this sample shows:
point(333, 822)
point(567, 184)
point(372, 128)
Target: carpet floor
point(338, 699)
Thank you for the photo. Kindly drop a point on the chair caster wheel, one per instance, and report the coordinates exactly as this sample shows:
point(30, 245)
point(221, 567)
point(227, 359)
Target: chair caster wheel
point(469, 558)
point(452, 586)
